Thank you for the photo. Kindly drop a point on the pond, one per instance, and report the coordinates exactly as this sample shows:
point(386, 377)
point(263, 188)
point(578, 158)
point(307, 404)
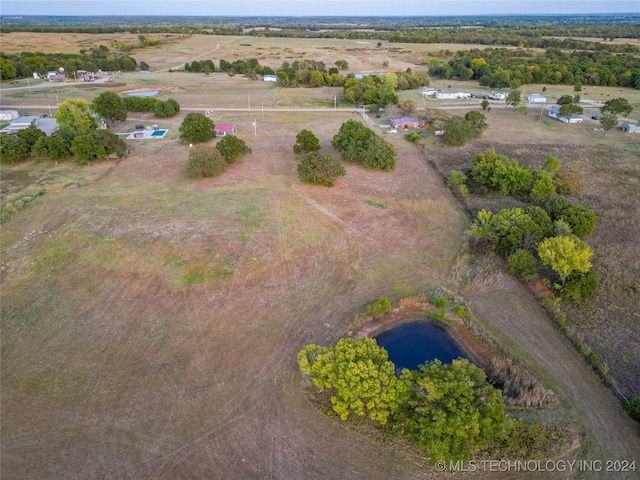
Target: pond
point(416, 343)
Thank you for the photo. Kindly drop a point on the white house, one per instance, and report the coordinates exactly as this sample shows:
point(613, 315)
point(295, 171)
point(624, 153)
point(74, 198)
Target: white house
point(554, 112)
point(536, 98)
point(9, 114)
point(451, 95)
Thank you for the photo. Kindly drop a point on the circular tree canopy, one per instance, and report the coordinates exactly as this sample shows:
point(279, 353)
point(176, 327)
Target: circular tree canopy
point(197, 127)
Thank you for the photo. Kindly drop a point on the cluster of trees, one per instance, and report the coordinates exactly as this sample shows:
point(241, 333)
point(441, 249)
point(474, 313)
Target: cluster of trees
point(380, 90)
point(160, 108)
point(459, 130)
point(356, 141)
point(502, 68)
point(24, 64)
point(610, 111)
point(449, 409)
point(495, 171)
point(207, 161)
point(312, 73)
point(353, 141)
point(315, 167)
point(77, 135)
point(548, 232)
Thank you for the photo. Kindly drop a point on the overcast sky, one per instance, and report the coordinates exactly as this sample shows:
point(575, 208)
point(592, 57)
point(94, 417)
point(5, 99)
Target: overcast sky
point(315, 7)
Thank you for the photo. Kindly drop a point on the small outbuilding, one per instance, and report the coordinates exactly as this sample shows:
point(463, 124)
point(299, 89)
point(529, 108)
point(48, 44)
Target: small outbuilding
point(270, 78)
point(536, 98)
point(630, 128)
point(9, 115)
point(225, 129)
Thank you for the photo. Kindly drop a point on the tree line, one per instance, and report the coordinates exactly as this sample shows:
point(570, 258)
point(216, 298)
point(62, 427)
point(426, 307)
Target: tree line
point(502, 68)
point(25, 64)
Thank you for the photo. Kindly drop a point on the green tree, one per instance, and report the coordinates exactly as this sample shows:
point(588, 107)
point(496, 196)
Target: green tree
point(7, 69)
point(580, 287)
point(55, 147)
point(565, 255)
point(581, 220)
point(514, 98)
point(232, 148)
point(568, 106)
point(484, 104)
point(522, 264)
point(454, 410)
point(540, 218)
point(87, 148)
point(197, 127)
point(31, 135)
point(13, 148)
point(76, 116)
point(543, 186)
point(111, 106)
point(552, 165)
point(499, 171)
point(633, 408)
point(320, 168)
point(477, 121)
point(205, 161)
point(379, 154)
point(352, 139)
point(306, 142)
point(112, 143)
point(617, 106)
point(457, 131)
point(555, 205)
point(361, 378)
point(608, 121)
point(166, 109)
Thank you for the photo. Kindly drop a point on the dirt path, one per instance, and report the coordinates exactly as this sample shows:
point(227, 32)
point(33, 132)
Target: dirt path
point(526, 327)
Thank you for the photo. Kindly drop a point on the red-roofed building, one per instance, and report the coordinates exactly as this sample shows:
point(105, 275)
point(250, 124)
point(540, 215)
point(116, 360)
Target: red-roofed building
point(225, 129)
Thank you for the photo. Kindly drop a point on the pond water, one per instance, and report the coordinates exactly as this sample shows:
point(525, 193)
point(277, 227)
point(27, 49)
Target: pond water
point(416, 343)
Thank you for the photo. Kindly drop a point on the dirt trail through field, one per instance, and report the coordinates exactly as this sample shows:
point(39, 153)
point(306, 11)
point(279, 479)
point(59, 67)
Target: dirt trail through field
point(611, 434)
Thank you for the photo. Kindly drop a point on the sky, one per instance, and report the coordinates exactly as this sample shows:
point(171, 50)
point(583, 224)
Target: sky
point(315, 7)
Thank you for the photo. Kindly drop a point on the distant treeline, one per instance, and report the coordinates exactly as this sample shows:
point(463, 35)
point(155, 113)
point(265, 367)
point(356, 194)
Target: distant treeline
point(24, 64)
point(518, 31)
point(502, 67)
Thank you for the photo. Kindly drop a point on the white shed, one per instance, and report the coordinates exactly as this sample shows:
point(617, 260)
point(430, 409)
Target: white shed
point(8, 115)
point(536, 98)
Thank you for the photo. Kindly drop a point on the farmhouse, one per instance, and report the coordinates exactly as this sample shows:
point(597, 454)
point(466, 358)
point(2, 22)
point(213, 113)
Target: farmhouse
point(554, 112)
point(407, 122)
point(270, 78)
point(8, 114)
point(536, 98)
point(225, 129)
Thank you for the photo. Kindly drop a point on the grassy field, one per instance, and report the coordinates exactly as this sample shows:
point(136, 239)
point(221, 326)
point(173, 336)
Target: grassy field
point(150, 322)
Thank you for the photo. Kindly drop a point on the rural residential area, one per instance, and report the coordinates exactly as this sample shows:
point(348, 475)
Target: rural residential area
point(319, 247)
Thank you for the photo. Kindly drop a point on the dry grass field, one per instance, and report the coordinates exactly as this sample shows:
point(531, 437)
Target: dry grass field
point(150, 322)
